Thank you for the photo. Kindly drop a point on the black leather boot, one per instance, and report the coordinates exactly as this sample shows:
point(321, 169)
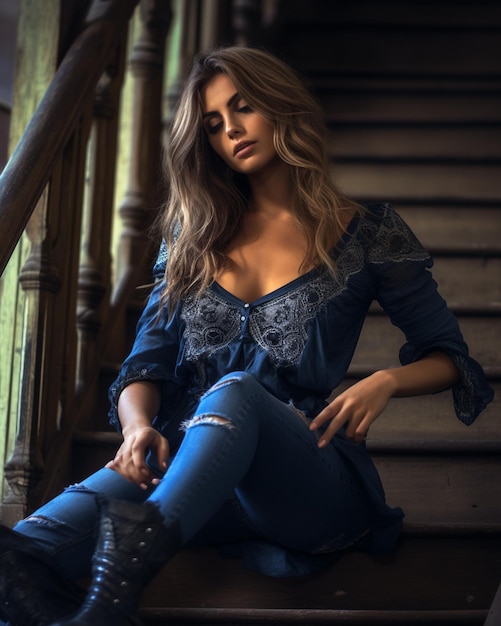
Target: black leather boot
point(133, 546)
point(32, 593)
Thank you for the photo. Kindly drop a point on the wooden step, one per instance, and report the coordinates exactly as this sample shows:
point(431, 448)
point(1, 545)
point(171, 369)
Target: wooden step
point(286, 617)
point(474, 228)
point(443, 489)
point(353, 102)
point(405, 46)
point(434, 573)
point(431, 419)
point(410, 89)
point(364, 13)
point(416, 143)
point(470, 281)
point(402, 182)
point(380, 342)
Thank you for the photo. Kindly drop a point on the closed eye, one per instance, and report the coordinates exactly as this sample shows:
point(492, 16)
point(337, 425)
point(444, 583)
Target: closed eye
point(212, 130)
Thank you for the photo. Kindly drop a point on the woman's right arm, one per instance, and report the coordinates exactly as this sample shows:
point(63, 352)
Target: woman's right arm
point(138, 404)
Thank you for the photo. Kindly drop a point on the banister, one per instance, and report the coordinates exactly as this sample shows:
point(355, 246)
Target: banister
point(28, 171)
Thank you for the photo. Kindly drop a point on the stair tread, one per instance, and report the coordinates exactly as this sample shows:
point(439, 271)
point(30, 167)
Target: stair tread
point(437, 183)
point(173, 617)
point(422, 52)
point(415, 143)
point(469, 565)
point(366, 106)
point(435, 15)
point(370, 86)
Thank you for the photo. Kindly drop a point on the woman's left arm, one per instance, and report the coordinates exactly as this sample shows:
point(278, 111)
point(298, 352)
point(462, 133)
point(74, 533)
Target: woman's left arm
point(361, 404)
point(435, 355)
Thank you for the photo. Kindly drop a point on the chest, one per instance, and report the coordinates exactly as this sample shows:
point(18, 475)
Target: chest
point(259, 264)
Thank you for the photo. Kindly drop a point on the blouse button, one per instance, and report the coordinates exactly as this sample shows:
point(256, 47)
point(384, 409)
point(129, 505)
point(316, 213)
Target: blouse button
point(246, 305)
point(243, 318)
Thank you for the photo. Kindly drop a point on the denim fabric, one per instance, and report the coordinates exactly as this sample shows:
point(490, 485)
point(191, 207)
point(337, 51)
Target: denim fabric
point(257, 474)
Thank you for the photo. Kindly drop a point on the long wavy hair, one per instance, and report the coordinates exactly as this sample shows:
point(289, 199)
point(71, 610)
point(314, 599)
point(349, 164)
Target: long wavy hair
point(206, 200)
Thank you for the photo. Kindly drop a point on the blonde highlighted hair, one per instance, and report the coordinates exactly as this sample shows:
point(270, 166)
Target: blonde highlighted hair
point(206, 200)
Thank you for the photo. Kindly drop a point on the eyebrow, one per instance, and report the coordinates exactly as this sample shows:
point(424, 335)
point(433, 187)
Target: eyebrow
point(234, 97)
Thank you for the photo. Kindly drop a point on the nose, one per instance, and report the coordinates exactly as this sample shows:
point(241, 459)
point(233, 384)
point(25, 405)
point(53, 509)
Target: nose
point(233, 129)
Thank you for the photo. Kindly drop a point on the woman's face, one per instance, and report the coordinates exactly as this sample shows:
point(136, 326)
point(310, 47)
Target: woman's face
point(239, 135)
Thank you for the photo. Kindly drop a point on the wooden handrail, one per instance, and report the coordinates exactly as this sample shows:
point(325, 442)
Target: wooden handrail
point(28, 171)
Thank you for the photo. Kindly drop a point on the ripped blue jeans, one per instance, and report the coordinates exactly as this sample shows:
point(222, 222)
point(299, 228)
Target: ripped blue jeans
point(248, 468)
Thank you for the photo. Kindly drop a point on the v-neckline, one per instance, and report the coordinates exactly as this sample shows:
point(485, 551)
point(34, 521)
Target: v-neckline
point(295, 282)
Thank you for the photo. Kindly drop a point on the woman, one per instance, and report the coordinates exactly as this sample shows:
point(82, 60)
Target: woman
point(227, 436)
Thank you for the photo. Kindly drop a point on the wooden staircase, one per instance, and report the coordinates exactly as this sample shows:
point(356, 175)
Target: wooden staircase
point(412, 94)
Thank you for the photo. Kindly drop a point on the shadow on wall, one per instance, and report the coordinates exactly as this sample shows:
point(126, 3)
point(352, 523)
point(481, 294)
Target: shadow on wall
point(8, 28)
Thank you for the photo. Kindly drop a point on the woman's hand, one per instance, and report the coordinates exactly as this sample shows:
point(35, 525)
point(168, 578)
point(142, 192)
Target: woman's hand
point(357, 407)
point(138, 404)
point(130, 459)
point(360, 405)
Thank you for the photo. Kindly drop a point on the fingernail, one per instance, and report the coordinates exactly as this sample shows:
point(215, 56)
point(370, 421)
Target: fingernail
point(322, 443)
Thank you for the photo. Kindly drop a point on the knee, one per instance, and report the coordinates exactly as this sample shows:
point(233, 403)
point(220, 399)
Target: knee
point(221, 404)
point(239, 379)
point(233, 386)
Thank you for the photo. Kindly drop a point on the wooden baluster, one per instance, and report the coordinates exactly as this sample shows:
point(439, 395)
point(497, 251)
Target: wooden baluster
point(256, 22)
point(246, 21)
point(48, 279)
point(142, 198)
point(196, 27)
point(48, 283)
point(40, 62)
point(95, 257)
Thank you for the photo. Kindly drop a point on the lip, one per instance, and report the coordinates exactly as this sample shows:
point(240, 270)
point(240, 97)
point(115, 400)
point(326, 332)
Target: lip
point(240, 149)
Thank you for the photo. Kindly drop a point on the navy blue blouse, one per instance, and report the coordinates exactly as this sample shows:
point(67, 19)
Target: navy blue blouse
point(298, 341)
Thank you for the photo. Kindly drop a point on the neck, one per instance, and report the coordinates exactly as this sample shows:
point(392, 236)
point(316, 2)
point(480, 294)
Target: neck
point(270, 190)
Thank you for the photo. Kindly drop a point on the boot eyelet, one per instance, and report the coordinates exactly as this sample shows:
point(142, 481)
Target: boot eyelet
point(134, 559)
point(149, 530)
point(142, 544)
point(116, 601)
point(123, 583)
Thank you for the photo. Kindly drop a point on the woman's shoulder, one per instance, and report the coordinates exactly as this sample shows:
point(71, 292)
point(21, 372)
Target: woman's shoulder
point(365, 216)
point(386, 236)
point(376, 212)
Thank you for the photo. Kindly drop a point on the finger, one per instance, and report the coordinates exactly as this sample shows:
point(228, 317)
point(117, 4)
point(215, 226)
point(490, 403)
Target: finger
point(329, 413)
point(162, 451)
point(128, 471)
point(119, 468)
point(362, 430)
point(139, 461)
point(332, 429)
